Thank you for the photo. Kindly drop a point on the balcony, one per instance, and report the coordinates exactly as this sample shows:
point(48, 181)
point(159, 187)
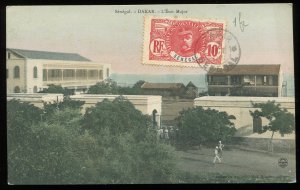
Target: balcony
point(71, 82)
point(225, 84)
point(243, 90)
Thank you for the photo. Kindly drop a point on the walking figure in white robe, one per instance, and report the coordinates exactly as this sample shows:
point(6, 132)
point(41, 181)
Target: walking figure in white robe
point(217, 156)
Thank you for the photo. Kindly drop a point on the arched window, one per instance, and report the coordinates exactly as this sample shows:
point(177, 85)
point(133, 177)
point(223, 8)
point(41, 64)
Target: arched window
point(35, 89)
point(17, 72)
point(154, 112)
point(35, 72)
point(17, 89)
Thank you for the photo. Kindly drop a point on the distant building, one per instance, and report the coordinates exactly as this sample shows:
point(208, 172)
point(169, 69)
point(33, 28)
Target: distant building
point(246, 80)
point(164, 89)
point(191, 91)
point(29, 71)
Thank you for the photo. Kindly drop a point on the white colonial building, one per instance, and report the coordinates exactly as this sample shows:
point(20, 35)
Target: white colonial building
point(31, 71)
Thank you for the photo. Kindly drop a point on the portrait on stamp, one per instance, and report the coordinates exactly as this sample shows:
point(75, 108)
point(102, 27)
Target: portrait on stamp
point(174, 41)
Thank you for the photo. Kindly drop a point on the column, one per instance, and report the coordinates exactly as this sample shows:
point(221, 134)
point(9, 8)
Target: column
point(228, 83)
point(75, 74)
point(228, 80)
point(255, 84)
point(157, 119)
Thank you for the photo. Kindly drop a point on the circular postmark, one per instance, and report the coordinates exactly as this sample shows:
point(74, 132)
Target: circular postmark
point(282, 162)
point(222, 50)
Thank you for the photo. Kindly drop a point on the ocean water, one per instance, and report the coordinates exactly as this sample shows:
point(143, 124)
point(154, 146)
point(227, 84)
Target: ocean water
point(198, 80)
point(131, 79)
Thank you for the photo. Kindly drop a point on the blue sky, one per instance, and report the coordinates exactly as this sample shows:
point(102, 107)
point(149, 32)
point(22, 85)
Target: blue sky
point(100, 34)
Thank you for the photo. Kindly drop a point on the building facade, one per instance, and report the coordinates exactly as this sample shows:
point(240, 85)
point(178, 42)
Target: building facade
point(29, 71)
point(246, 80)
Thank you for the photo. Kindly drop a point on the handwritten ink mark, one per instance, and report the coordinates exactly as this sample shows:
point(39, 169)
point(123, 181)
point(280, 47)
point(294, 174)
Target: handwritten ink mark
point(242, 24)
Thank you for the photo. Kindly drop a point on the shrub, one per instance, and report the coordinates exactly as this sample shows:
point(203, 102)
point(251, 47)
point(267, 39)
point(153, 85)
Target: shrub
point(199, 126)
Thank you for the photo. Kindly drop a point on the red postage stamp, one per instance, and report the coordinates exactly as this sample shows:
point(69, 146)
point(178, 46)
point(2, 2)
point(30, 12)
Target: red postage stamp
point(182, 42)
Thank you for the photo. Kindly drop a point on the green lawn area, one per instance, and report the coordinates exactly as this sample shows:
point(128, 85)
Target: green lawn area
point(237, 166)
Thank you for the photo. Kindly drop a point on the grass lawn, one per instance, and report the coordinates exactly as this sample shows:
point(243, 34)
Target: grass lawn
point(238, 163)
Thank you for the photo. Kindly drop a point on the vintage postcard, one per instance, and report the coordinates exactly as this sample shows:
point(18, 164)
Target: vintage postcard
point(150, 94)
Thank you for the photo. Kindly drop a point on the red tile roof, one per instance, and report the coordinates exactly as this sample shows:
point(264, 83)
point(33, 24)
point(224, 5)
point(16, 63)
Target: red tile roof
point(148, 85)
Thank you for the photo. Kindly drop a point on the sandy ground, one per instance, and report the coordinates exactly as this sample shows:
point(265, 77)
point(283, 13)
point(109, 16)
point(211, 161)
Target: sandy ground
point(237, 162)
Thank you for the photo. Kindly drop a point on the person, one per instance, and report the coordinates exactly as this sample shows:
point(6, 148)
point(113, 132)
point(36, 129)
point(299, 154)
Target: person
point(160, 133)
point(186, 45)
point(220, 146)
point(166, 133)
point(217, 156)
point(172, 134)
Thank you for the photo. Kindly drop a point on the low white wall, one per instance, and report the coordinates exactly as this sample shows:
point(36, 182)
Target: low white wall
point(146, 104)
point(36, 99)
point(240, 107)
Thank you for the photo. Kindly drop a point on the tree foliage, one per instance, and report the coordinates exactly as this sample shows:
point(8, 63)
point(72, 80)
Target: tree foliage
point(57, 89)
point(199, 126)
point(118, 116)
point(280, 120)
point(112, 143)
point(47, 157)
point(138, 84)
point(67, 103)
point(129, 148)
point(20, 117)
point(109, 86)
